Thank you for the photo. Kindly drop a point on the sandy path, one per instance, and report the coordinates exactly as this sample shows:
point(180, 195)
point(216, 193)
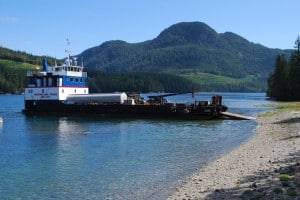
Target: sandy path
point(253, 170)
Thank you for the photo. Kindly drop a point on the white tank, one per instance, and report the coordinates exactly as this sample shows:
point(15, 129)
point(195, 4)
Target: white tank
point(97, 98)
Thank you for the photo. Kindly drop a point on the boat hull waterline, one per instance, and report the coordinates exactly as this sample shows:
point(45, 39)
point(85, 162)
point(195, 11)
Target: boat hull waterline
point(123, 111)
point(63, 90)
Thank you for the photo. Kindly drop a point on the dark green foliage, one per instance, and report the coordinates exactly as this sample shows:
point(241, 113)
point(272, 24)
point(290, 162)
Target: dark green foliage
point(294, 72)
point(183, 56)
point(278, 85)
point(137, 82)
point(187, 49)
point(13, 76)
point(284, 82)
point(23, 57)
point(13, 68)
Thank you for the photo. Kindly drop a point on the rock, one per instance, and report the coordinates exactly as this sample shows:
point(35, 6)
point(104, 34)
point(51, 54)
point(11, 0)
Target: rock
point(284, 170)
point(254, 185)
point(285, 184)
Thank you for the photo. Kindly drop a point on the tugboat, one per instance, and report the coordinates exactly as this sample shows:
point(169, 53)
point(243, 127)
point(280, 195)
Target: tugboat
point(63, 90)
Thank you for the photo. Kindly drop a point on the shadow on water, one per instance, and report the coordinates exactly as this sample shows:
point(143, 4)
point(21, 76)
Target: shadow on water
point(56, 120)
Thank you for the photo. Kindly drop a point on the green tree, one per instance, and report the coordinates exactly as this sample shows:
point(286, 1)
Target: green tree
point(278, 86)
point(294, 73)
point(284, 82)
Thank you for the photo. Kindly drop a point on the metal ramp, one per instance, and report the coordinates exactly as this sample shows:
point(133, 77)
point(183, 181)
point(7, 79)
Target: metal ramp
point(230, 115)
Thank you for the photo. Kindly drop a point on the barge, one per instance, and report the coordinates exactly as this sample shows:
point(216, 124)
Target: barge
point(63, 90)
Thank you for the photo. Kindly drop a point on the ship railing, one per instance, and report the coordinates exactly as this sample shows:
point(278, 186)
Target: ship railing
point(31, 73)
point(34, 73)
point(84, 74)
point(71, 73)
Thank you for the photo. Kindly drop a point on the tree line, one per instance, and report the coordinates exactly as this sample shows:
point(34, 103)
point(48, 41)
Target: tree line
point(23, 57)
point(13, 80)
point(137, 82)
point(12, 76)
point(284, 81)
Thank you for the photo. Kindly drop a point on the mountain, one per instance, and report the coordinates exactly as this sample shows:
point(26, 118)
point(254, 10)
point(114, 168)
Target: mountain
point(191, 50)
point(13, 68)
point(184, 56)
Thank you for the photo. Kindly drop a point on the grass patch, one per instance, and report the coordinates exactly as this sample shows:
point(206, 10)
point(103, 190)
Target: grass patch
point(268, 113)
point(285, 177)
point(213, 82)
point(280, 107)
point(288, 106)
point(291, 192)
point(17, 65)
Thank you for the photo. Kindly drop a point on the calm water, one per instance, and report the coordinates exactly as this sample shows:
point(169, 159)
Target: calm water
point(87, 158)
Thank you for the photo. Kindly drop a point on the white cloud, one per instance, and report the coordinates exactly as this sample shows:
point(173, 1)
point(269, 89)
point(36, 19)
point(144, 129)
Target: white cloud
point(9, 20)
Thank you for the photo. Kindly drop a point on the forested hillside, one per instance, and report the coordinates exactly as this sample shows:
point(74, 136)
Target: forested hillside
point(13, 76)
point(184, 56)
point(138, 82)
point(191, 49)
point(13, 68)
point(23, 57)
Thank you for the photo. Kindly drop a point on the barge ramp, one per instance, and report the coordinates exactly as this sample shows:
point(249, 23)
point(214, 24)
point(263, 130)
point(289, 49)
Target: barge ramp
point(230, 115)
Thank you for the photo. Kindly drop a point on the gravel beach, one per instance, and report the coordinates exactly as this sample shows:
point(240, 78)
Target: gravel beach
point(265, 167)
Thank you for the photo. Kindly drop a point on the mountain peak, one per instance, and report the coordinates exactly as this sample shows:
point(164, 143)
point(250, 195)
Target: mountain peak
point(187, 32)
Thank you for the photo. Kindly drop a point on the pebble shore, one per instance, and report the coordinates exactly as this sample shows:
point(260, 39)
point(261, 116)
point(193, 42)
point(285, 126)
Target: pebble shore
point(265, 167)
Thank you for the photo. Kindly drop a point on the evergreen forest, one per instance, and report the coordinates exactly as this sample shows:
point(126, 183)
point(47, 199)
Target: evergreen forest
point(184, 56)
point(13, 68)
point(284, 81)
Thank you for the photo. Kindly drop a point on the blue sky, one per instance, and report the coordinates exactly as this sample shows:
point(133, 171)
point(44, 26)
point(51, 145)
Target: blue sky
point(41, 27)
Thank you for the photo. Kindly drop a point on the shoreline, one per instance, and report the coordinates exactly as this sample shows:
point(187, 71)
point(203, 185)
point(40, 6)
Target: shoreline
point(256, 168)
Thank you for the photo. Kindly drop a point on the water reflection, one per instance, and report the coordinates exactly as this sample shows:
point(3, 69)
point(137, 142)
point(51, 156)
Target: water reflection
point(89, 158)
point(116, 155)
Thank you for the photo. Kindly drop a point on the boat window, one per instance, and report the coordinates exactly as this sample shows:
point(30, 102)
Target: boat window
point(71, 79)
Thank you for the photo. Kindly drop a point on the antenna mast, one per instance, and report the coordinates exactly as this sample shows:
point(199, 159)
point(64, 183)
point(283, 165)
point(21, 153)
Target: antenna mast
point(68, 51)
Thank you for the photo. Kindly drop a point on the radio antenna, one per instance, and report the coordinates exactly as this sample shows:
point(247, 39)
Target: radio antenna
point(68, 51)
